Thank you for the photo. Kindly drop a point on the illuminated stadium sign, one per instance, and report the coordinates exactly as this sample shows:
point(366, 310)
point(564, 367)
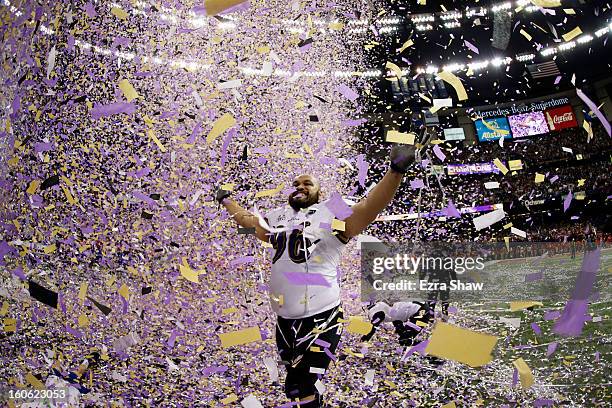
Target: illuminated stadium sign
point(454, 134)
point(561, 118)
point(528, 124)
point(471, 168)
point(492, 129)
point(522, 108)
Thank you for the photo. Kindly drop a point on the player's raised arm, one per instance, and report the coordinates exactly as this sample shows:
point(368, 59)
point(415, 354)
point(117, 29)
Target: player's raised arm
point(366, 210)
point(243, 217)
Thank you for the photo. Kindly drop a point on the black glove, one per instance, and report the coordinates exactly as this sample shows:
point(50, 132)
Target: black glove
point(402, 156)
point(221, 195)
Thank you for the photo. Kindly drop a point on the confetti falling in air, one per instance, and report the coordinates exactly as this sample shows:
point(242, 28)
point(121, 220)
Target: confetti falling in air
point(122, 277)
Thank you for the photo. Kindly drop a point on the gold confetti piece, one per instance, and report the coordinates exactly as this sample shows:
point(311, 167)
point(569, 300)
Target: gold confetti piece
point(264, 49)
point(10, 325)
point(239, 337)
point(507, 241)
point(395, 136)
point(159, 144)
point(228, 187)
point(525, 373)
point(508, 225)
point(83, 292)
point(500, 166)
point(516, 306)
point(586, 126)
point(581, 182)
point(449, 405)
point(229, 310)
point(221, 125)
point(338, 225)
point(119, 13)
point(515, 164)
point(34, 382)
point(397, 70)
point(357, 326)
point(229, 399)
point(128, 90)
point(526, 34)
point(293, 156)
point(124, 291)
point(68, 195)
point(336, 26)
point(547, 3)
point(267, 193)
point(462, 345)
point(539, 178)
point(33, 187)
point(407, 44)
point(572, 34)
point(455, 82)
point(83, 320)
point(49, 249)
point(189, 274)
point(5, 308)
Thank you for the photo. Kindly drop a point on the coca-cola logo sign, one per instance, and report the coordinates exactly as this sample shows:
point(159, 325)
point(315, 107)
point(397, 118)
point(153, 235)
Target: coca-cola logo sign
point(561, 118)
point(566, 117)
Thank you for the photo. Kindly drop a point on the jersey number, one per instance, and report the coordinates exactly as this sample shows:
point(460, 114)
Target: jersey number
point(297, 253)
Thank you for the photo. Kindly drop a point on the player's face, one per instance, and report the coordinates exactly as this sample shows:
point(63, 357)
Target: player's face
point(306, 192)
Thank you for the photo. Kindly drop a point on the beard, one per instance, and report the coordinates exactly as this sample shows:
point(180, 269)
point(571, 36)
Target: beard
point(300, 200)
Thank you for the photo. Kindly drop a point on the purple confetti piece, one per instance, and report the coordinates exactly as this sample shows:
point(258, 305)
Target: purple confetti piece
point(354, 122)
point(438, 152)
point(597, 356)
point(533, 277)
point(543, 403)
point(416, 184)
point(16, 105)
point(558, 79)
point(325, 226)
point(242, 260)
point(551, 349)
point(536, 329)
point(417, 348)
point(74, 332)
point(90, 10)
point(100, 111)
point(43, 147)
point(214, 370)
point(567, 201)
point(515, 377)
point(303, 279)
point(338, 207)
point(143, 197)
point(18, 272)
point(451, 210)
point(322, 343)
point(347, 92)
point(471, 47)
point(553, 179)
point(171, 339)
point(362, 167)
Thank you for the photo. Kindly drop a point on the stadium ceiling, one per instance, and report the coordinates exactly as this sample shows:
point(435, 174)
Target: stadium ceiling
point(460, 32)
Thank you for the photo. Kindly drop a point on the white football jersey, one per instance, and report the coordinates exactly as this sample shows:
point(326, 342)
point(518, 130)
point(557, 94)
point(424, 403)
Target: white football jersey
point(304, 283)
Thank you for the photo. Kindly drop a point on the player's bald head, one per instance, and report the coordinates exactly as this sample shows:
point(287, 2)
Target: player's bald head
point(310, 177)
point(307, 191)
